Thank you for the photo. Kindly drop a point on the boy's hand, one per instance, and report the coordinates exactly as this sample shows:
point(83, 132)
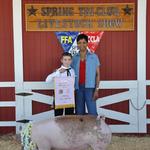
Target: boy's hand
point(62, 70)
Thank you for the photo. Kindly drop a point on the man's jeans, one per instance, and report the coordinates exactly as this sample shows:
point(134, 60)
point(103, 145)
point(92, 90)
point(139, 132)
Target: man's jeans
point(85, 96)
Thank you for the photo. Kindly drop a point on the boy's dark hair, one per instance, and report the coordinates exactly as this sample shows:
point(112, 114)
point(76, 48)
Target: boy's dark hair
point(82, 36)
point(67, 54)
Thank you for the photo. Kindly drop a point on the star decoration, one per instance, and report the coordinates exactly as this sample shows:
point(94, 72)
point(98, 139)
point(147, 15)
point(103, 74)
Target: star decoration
point(127, 10)
point(32, 11)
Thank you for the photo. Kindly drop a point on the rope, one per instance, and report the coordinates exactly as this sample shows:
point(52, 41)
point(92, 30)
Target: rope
point(138, 109)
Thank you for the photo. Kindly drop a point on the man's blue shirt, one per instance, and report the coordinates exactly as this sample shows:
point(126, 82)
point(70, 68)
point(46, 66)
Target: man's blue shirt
point(92, 62)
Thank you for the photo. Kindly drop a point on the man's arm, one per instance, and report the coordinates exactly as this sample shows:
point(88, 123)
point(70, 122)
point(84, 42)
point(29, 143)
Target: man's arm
point(97, 77)
point(95, 96)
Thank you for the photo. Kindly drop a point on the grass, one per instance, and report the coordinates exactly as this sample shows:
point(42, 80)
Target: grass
point(124, 142)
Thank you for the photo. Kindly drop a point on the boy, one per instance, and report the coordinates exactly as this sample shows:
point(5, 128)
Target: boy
point(63, 71)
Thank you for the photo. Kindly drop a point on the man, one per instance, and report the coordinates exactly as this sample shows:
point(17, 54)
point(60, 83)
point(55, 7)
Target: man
point(86, 66)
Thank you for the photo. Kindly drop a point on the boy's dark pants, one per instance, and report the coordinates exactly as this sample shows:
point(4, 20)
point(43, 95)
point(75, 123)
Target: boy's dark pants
point(68, 111)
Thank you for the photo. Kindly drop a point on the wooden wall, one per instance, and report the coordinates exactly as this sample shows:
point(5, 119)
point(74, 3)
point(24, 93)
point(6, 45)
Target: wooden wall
point(148, 59)
point(6, 62)
point(117, 52)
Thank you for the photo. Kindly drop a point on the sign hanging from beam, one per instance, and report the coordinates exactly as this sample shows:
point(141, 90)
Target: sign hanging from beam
point(80, 17)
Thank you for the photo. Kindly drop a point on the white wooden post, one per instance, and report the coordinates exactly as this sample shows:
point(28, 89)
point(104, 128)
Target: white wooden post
point(141, 63)
point(18, 58)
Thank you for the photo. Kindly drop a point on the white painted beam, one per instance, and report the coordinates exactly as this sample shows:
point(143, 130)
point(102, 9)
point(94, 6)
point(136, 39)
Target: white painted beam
point(41, 98)
point(7, 84)
point(141, 62)
point(18, 58)
point(148, 121)
point(103, 85)
point(148, 101)
point(7, 103)
point(7, 123)
point(123, 128)
point(38, 86)
point(115, 98)
point(117, 115)
point(41, 116)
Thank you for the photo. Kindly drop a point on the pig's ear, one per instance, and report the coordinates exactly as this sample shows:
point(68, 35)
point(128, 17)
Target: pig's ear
point(101, 116)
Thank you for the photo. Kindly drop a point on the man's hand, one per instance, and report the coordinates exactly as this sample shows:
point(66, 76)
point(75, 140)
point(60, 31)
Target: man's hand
point(62, 70)
point(95, 95)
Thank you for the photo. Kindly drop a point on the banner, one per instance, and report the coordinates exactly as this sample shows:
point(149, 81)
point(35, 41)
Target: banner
point(64, 92)
point(80, 17)
point(93, 39)
point(67, 39)
point(69, 43)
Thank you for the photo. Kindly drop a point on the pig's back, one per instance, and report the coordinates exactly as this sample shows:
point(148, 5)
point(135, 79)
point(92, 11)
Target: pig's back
point(76, 125)
point(76, 121)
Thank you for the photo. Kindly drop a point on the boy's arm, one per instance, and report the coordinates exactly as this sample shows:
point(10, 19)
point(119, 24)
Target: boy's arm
point(51, 76)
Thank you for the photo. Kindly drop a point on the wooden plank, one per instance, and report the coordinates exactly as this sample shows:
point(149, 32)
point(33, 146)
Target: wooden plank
point(7, 84)
point(6, 42)
point(18, 59)
point(41, 98)
point(148, 121)
point(141, 63)
point(116, 98)
point(7, 104)
point(41, 116)
point(80, 17)
point(7, 123)
point(38, 86)
point(123, 128)
point(117, 115)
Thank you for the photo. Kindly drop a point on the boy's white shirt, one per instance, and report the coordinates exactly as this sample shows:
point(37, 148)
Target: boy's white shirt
point(51, 76)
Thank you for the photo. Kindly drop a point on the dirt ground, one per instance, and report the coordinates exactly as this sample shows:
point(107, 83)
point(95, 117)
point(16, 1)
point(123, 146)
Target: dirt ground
point(126, 142)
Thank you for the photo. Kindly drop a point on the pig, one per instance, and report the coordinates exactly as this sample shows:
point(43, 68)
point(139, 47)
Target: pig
point(72, 132)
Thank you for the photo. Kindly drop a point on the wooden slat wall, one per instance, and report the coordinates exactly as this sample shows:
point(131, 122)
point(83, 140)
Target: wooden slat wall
point(148, 43)
point(42, 52)
point(6, 42)
point(46, 52)
point(117, 52)
point(148, 59)
point(6, 62)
